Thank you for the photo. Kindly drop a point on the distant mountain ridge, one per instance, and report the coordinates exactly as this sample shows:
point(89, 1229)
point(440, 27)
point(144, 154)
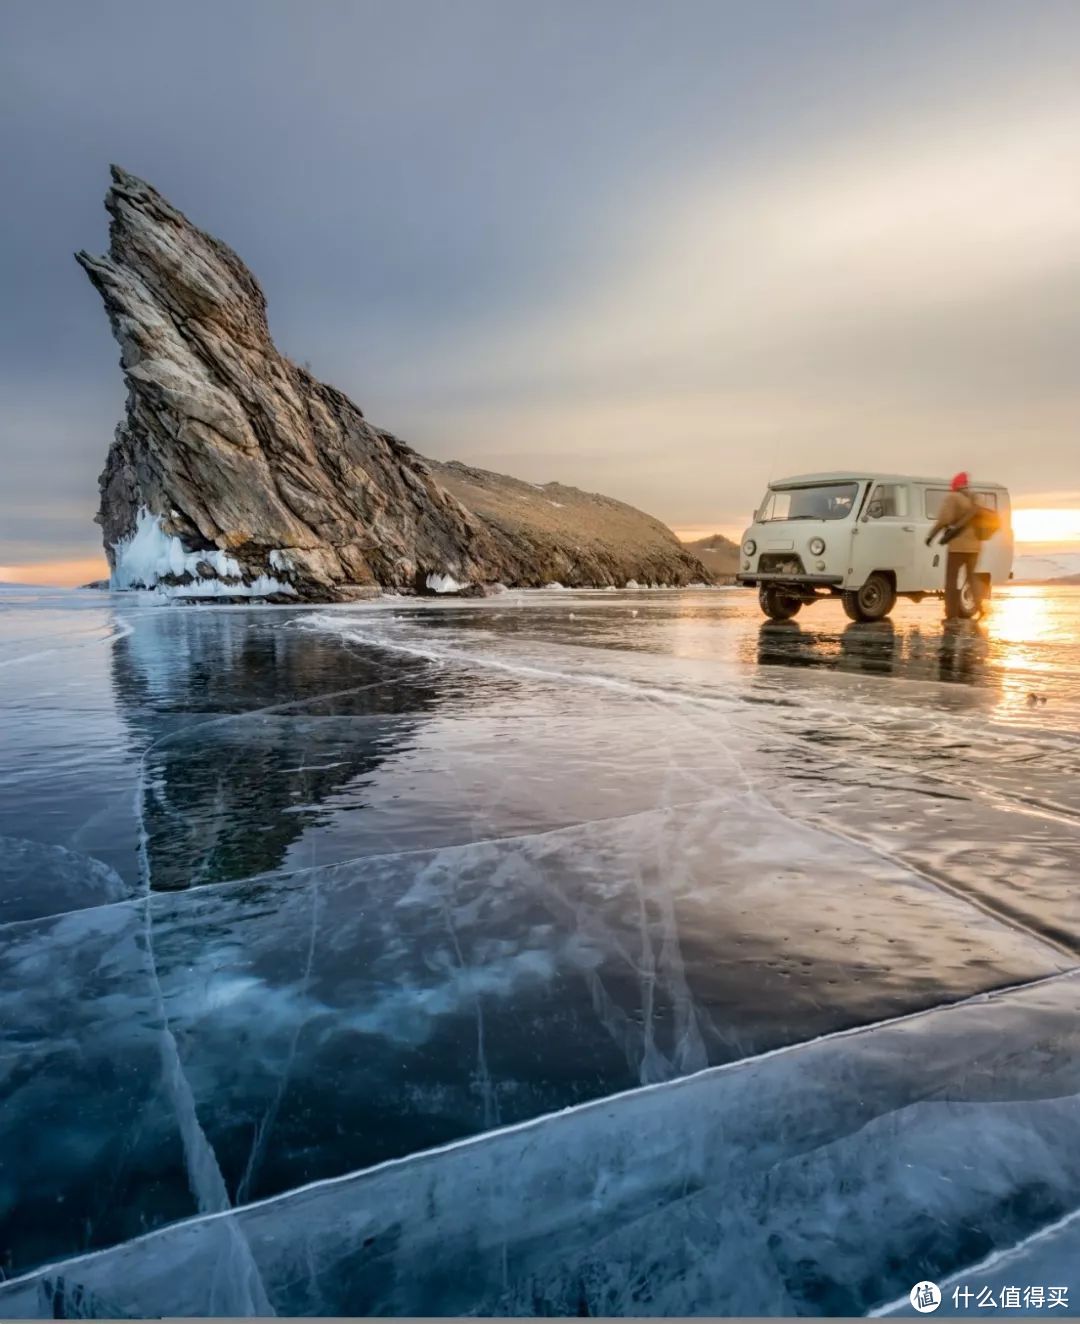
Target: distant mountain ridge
point(1048, 567)
point(719, 555)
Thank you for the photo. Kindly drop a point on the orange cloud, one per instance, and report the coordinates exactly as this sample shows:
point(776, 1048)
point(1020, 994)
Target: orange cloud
point(62, 574)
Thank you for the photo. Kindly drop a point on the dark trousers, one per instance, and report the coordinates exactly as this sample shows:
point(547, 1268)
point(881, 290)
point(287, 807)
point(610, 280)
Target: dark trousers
point(955, 562)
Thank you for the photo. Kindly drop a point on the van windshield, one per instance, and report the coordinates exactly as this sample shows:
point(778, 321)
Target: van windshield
point(832, 501)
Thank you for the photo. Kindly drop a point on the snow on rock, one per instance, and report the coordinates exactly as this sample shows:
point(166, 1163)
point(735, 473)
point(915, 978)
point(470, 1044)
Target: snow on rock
point(149, 554)
point(260, 587)
point(152, 558)
point(443, 584)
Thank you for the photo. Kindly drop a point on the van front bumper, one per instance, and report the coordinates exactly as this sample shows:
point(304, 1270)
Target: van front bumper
point(749, 579)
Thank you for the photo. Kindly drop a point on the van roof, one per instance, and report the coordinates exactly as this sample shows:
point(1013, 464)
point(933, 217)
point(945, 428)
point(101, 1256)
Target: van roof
point(862, 475)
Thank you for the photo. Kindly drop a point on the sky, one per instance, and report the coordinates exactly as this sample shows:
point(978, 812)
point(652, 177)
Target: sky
point(661, 251)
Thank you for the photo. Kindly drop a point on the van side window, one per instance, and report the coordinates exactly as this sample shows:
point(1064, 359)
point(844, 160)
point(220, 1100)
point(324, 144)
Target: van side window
point(888, 501)
point(936, 495)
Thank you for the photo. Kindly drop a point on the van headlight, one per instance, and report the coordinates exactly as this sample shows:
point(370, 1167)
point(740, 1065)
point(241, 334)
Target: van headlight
point(749, 547)
point(817, 546)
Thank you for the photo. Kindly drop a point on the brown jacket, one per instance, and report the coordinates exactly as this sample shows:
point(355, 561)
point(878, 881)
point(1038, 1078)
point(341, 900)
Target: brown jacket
point(956, 507)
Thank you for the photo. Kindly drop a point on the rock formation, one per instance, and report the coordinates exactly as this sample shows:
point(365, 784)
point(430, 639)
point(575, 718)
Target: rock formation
point(237, 473)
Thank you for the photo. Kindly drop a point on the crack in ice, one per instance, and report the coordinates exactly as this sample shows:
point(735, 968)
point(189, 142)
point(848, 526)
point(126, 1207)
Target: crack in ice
point(535, 1123)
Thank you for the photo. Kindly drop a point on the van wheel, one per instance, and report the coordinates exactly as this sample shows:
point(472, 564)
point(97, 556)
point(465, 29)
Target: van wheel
point(777, 605)
point(968, 610)
point(873, 601)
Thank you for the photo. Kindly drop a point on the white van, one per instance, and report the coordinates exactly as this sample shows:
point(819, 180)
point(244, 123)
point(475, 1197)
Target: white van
point(862, 538)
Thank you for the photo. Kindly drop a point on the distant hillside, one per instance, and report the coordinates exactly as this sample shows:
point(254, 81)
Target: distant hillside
point(556, 533)
point(719, 555)
point(1054, 567)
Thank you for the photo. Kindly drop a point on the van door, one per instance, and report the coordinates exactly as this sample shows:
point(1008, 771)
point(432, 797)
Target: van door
point(929, 576)
point(996, 554)
point(884, 536)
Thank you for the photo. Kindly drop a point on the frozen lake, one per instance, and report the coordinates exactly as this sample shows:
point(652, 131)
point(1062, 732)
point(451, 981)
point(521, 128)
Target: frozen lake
point(316, 922)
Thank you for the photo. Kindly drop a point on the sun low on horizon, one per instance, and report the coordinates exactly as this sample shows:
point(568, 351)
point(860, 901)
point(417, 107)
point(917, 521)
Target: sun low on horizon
point(1040, 525)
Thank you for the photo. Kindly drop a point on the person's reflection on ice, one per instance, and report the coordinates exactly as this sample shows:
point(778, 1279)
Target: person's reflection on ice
point(961, 651)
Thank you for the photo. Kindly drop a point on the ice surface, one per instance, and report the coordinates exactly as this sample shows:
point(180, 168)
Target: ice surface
point(821, 1179)
point(1048, 1258)
point(92, 1151)
point(327, 1019)
point(439, 962)
point(312, 891)
point(67, 774)
point(45, 880)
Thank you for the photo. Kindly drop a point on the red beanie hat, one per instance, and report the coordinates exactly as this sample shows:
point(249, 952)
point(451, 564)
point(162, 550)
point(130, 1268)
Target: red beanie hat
point(961, 480)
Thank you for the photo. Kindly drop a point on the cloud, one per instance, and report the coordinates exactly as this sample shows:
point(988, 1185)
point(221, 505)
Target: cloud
point(909, 294)
point(659, 254)
point(788, 268)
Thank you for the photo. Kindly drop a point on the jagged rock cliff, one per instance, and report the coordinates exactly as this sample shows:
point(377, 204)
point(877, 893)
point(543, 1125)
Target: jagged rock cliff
point(237, 473)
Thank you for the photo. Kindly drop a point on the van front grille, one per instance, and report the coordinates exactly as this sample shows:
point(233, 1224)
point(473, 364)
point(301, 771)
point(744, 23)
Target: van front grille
point(780, 563)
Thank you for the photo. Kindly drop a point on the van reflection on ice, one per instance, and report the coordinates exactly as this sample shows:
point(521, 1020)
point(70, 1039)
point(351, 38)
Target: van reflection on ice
point(882, 648)
point(872, 646)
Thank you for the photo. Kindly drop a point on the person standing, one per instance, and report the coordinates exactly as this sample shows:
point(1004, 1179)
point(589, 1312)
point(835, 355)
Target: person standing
point(958, 511)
